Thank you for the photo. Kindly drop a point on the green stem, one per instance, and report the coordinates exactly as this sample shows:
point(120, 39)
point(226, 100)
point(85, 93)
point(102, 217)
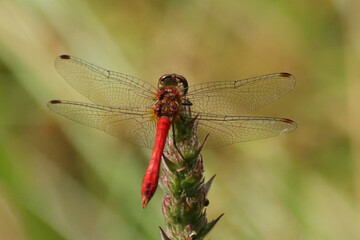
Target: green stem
point(184, 185)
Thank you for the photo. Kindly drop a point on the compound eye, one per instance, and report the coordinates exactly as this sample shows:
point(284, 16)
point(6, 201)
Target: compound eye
point(173, 80)
point(184, 84)
point(162, 80)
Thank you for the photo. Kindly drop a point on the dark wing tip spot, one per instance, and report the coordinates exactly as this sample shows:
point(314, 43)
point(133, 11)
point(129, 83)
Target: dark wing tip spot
point(55, 101)
point(65, 56)
point(287, 121)
point(284, 74)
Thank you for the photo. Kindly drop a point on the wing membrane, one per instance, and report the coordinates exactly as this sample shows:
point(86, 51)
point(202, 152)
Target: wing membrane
point(133, 124)
point(125, 104)
point(105, 87)
point(224, 130)
point(238, 97)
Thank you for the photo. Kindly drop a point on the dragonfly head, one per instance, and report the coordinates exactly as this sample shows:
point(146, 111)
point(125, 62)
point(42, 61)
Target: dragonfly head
point(173, 80)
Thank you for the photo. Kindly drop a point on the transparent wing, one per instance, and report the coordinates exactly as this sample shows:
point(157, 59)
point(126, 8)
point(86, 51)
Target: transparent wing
point(133, 124)
point(105, 87)
point(238, 97)
point(224, 130)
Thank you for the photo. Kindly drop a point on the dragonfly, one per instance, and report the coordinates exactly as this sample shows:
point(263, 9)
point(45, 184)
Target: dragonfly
point(128, 107)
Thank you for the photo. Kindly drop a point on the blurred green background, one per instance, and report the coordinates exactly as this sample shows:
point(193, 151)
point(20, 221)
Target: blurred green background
point(62, 180)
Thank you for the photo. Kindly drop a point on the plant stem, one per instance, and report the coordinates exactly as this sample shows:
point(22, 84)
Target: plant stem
point(183, 182)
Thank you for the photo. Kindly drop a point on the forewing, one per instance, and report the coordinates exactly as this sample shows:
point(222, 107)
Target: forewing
point(133, 124)
point(105, 87)
point(227, 130)
point(238, 97)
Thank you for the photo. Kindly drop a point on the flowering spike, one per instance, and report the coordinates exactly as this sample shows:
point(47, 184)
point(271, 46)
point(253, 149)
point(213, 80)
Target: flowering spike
point(183, 182)
point(192, 122)
point(208, 184)
point(163, 235)
point(192, 235)
point(171, 166)
point(209, 226)
point(203, 143)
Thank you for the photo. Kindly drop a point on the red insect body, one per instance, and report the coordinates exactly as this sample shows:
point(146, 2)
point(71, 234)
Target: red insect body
point(151, 177)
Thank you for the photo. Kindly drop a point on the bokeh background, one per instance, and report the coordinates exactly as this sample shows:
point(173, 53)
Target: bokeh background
point(62, 180)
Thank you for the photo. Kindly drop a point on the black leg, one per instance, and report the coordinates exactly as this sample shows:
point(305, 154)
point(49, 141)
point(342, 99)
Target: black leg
point(174, 141)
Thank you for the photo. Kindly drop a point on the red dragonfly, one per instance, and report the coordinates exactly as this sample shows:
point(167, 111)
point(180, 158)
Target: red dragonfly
point(126, 106)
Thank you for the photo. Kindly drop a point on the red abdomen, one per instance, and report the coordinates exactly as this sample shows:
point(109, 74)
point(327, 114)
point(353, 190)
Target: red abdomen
point(151, 177)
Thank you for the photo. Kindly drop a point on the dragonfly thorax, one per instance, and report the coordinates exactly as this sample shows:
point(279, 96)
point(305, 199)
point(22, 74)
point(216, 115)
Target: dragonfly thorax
point(168, 102)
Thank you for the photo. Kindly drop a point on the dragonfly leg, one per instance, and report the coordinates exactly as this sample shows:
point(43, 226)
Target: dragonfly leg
point(174, 141)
